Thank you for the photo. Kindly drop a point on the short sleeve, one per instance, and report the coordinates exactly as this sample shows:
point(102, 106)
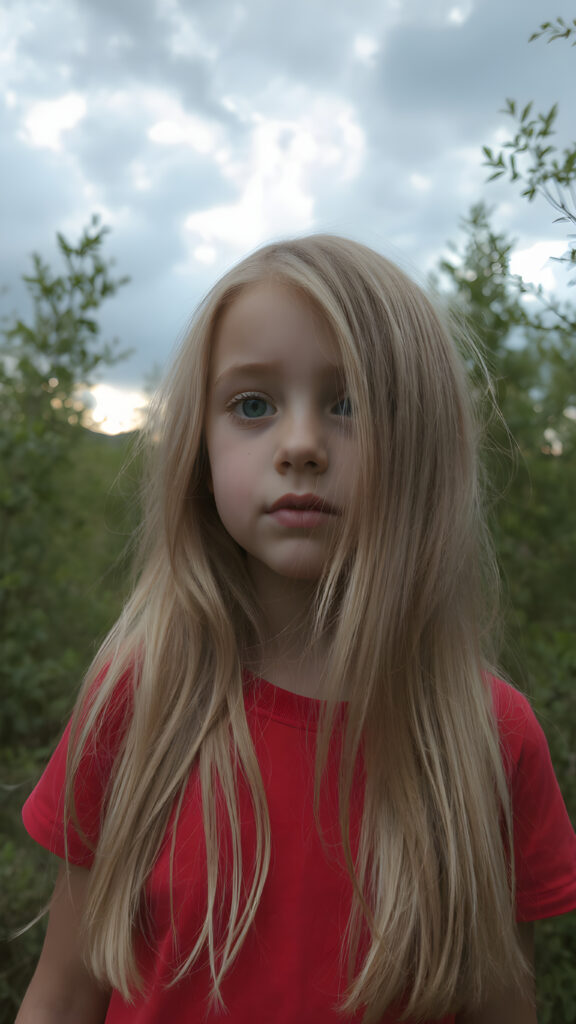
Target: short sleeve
point(43, 813)
point(544, 840)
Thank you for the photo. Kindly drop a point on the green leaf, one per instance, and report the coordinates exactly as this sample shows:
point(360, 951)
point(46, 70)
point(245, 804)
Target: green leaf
point(526, 112)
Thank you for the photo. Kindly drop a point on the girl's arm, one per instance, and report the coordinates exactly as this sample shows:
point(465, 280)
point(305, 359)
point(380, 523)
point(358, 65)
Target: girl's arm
point(62, 990)
point(508, 1005)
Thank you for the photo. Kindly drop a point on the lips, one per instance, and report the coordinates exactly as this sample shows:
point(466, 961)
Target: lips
point(301, 511)
point(304, 503)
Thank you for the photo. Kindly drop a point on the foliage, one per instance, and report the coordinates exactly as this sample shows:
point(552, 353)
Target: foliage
point(558, 29)
point(98, 515)
point(526, 337)
point(538, 551)
point(531, 157)
point(44, 362)
point(531, 353)
point(68, 521)
point(54, 482)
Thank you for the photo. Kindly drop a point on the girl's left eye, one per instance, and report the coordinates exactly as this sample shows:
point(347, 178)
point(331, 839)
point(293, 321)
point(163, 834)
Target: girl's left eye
point(251, 407)
point(343, 407)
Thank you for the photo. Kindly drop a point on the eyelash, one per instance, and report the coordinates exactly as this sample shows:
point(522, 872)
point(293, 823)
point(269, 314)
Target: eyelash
point(247, 395)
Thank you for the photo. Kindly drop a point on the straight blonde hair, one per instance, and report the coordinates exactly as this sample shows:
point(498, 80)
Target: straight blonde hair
point(405, 600)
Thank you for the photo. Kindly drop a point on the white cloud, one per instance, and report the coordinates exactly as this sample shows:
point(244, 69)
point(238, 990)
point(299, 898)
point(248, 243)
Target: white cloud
point(534, 263)
point(365, 48)
point(185, 130)
point(114, 410)
point(287, 161)
point(205, 254)
point(420, 182)
point(46, 121)
point(200, 129)
point(459, 14)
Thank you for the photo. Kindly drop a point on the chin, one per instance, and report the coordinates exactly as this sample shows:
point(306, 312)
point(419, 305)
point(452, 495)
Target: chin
point(309, 571)
point(307, 567)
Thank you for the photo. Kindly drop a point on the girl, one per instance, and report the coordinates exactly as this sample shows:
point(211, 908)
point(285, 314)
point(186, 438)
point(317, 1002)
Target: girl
point(290, 791)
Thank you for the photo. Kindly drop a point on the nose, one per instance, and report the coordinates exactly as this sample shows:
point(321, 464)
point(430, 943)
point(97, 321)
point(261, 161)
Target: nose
point(301, 445)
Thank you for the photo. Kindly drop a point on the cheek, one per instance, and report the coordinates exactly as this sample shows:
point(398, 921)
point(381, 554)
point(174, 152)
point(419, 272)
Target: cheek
point(233, 486)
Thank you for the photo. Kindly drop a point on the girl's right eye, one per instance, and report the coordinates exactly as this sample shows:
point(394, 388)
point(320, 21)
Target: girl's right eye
point(251, 407)
point(343, 407)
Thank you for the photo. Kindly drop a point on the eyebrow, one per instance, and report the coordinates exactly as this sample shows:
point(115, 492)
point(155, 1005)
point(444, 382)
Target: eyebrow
point(236, 369)
point(263, 369)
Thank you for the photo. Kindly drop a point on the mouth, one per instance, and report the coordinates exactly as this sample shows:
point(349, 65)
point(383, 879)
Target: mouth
point(302, 511)
point(304, 503)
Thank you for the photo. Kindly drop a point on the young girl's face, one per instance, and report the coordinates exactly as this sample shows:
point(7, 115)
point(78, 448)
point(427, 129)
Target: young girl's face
point(279, 432)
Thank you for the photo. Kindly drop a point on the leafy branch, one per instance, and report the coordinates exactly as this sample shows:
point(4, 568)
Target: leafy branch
point(530, 156)
point(45, 358)
point(556, 30)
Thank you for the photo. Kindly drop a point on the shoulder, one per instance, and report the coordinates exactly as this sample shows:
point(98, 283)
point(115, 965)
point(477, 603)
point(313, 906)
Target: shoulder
point(544, 841)
point(45, 812)
point(518, 728)
point(511, 707)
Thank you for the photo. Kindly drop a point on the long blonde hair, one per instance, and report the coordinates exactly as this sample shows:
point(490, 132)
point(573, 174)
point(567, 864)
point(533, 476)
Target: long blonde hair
point(405, 601)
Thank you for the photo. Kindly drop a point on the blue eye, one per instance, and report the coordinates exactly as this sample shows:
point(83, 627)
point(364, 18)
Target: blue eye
point(343, 407)
point(252, 407)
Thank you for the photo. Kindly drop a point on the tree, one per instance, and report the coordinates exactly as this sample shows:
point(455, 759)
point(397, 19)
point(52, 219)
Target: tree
point(531, 449)
point(53, 479)
point(532, 359)
point(45, 361)
point(527, 338)
point(531, 158)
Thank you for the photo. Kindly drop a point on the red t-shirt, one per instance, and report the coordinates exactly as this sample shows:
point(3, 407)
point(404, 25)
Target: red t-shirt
point(290, 968)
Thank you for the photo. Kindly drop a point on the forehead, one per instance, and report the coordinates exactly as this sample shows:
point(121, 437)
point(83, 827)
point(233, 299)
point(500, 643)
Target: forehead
point(273, 323)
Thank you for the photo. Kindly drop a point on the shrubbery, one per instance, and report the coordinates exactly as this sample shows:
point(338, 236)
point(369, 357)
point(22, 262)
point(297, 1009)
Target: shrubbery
point(65, 521)
point(60, 536)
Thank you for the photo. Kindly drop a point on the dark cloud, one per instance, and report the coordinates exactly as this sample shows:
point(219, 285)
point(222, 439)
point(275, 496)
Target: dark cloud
point(466, 71)
point(425, 103)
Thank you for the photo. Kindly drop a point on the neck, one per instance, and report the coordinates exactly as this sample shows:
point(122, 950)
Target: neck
point(288, 655)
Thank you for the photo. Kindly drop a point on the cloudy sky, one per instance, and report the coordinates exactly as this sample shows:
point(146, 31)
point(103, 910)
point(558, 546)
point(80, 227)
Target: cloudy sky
point(200, 128)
